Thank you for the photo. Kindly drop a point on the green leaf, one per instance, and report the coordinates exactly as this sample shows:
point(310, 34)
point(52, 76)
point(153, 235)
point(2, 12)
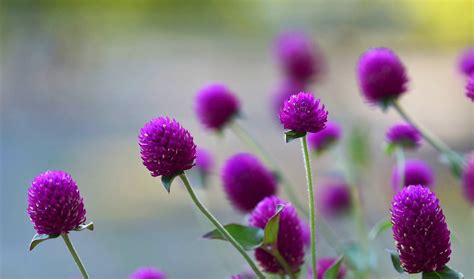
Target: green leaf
point(390, 148)
point(249, 237)
point(446, 273)
point(292, 135)
point(167, 180)
point(396, 261)
point(379, 228)
point(271, 228)
point(331, 272)
point(38, 238)
point(81, 227)
point(357, 258)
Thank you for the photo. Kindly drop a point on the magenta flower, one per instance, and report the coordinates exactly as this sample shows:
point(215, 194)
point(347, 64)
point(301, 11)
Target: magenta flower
point(420, 231)
point(324, 139)
point(283, 93)
point(290, 240)
point(204, 160)
point(324, 264)
point(468, 178)
point(216, 106)
point(306, 233)
point(382, 76)
point(334, 199)
point(147, 273)
point(301, 59)
point(417, 172)
point(403, 135)
point(470, 88)
point(166, 147)
point(466, 61)
point(303, 113)
point(55, 205)
point(246, 181)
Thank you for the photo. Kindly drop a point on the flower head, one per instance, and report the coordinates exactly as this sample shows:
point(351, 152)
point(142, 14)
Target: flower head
point(322, 140)
point(417, 172)
point(468, 178)
point(381, 75)
point(204, 160)
point(246, 181)
point(166, 147)
point(216, 105)
point(420, 230)
point(323, 264)
point(334, 199)
point(147, 273)
point(300, 58)
point(284, 92)
point(55, 205)
point(403, 135)
point(466, 61)
point(470, 88)
point(303, 113)
point(290, 240)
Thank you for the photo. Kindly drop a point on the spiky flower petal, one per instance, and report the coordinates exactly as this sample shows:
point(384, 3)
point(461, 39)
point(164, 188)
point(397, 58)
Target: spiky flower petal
point(303, 113)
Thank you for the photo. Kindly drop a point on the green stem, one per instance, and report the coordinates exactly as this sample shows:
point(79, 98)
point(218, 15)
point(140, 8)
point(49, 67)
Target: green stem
point(75, 256)
point(275, 253)
point(400, 154)
point(219, 226)
point(312, 212)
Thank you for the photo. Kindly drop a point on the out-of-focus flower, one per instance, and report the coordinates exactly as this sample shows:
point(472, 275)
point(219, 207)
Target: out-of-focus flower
point(283, 93)
point(303, 113)
point(417, 172)
point(246, 181)
point(204, 160)
point(420, 231)
point(324, 139)
point(470, 88)
point(290, 240)
point(306, 233)
point(468, 178)
point(301, 58)
point(148, 273)
point(166, 147)
point(466, 61)
point(334, 199)
point(403, 135)
point(382, 76)
point(55, 205)
point(323, 265)
point(216, 106)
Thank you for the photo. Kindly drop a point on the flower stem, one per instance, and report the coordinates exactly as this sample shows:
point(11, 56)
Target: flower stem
point(312, 212)
point(219, 226)
point(275, 253)
point(75, 256)
point(400, 154)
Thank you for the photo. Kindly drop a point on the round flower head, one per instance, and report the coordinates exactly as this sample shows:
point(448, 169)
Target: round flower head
point(334, 199)
point(468, 178)
point(216, 105)
point(300, 58)
point(55, 205)
point(166, 147)
point(290, 240)
point(420, 231)
point(246, 181)
point(204, 160)
point(466, 61)
point(403, 135)
point(381, 75)
point(147, 273)
point(323, 264)
point(417, 172)
point(284, 92)
point(325, 138)
point(303, 113)
point(470, 88)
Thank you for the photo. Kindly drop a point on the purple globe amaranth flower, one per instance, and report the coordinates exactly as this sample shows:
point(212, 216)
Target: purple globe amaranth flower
point(334, 199)
point(325, 138)
point(204, 160)
point(417, 172)
point(470, 87)
point(466, 61)
point(403, 135)
point(306, 234)
point(246, 181)
point(216, 106)
point(468, 178)
point(323, 264)
point(290, 239)
point(382, 76)
point(147, 273)
point(55, 205)
point(301, 59)
point(284, 92)
point(166, 147)
point(420, 231)
point(303, 113)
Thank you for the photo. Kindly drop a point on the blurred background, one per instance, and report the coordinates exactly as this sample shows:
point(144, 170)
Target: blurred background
point(80, 78)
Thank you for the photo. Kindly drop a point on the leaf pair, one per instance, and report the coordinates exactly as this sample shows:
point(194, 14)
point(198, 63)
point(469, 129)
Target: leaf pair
point(38, 238)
